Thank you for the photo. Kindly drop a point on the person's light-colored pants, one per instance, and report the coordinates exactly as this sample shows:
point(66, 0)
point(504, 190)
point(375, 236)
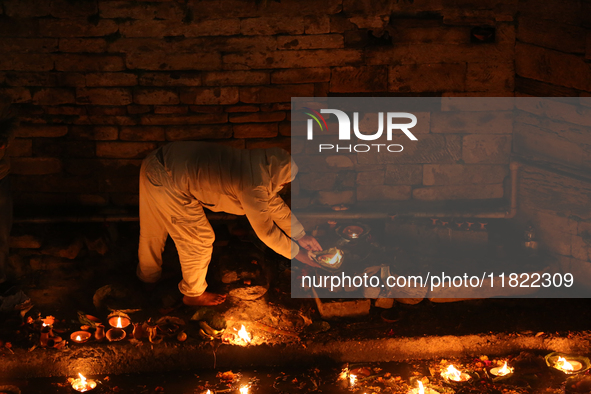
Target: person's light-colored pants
point(163, 211)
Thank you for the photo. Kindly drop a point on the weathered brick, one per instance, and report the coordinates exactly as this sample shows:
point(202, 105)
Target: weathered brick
point(569, 13)
point(70, 62)
point(207, 109)
point(266, 143)
point(26, 62)
point(271, 25)
point(142, 133)
point(210, 96)
point(224, 78)
point(27, 9)
point(258, 117)
point(44, 147)
point(277, 93)
point(293, 59)
point(370, 177)
point(110, 79)
point(242, 108)
point(183, 120)
point(461, 174)
point(434, 53)
point(65, 110)
point(255, 130)
point(383, 192)
point(192, 45)
point(171, 79)
point(430, 148)
point(164, 61)
point(485, 122)
point(331, 198)
point(317, 181)
point(147, 96)
point(35, 165)
point(301, 75)
point(88, 45)
point(13, 27)
point(161, 28)
point(41, 130)
point(25, 45)
point(76, 28)
point(106, 111)
point(171, 109)
point(16, 95)
point(549, 34)
point(556, 110)
point(20, 147)
point(124, 150)
point(31, 79)
point(423, 31)
point(96, 133)
point(134, 10)
point(66, 9)
point(552, 66)
point(404, 174)
point(458, 192)
point(482, 77)
point(104, 96)
point(198, 132)
point(359, 79)
point(427, 77)
point(53, 97)
point(310, 41)
point(237, 8)
point(138, 109)
point(478, 148)
point(107, 120)
point(316, 24)
point(465, 102)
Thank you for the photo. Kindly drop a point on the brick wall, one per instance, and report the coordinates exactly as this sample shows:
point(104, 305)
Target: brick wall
point(552, 54)
point(101, 83)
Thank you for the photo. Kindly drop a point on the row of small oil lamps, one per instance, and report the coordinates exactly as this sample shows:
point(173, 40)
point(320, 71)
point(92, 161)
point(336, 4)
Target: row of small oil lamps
point(116, 333)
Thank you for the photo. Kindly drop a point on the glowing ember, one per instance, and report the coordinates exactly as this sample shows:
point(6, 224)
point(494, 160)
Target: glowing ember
point(344, 374)
point(83, 384)
point(245, 336)
point(451, 373)
point(352, 380)
point(244, 389)
point(563, 364)
point(119, 325)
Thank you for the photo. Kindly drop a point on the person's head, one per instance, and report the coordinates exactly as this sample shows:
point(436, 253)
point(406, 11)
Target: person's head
point(282, 168)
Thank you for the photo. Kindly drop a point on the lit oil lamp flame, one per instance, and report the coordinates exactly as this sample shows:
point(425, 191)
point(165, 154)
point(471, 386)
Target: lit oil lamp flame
point(245, 336)
point(82, 384)
point(451, 373)
point(208, 392)
point(119, 325)
point(421, 389)
point(344, 374)
point(352, 380)
point(336, 258)
point(564, 365)
point(504, 370)
point(244, 389)
point(78, 338)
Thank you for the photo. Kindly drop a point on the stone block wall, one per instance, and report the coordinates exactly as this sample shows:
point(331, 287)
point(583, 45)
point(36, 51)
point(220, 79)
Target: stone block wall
point(102, 83)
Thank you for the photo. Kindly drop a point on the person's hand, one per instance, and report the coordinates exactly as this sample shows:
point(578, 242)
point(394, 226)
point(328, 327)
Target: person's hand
point(308, 242)
point(304, 258)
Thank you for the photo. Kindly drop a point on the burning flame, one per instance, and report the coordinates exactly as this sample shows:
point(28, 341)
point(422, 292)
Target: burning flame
point(78, 338)
point(421, 389)
point(82, 384)
point(504, 370)
point(335, 259)
point(245, 336)
point(452, 374)
point(352, 380)
point(244, 389)
point(344, 374)
point(208, 392)
point(82, 379)
point(119, 325)
point(564, 365)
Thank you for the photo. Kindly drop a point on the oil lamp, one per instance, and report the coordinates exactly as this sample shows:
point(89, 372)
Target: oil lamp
point(82, 384)
point(116, 333)
point(422, 390)
point(451, 374)
point(568, 364)
point(502, 371)
point(244, 335)
point(119, 321)
point(244, 389)
point(80, 336)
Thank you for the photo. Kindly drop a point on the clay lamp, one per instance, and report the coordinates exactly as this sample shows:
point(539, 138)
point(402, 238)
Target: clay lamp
point(349, 380)
point(567, 364)
point(80, 336)
point(331, 259)
point(503, 372)
point(452, 375)
point(119, 321)
point(422, 390)
point(116, 333)
point(82, 384)
point(353, 232)
point(243, 336)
